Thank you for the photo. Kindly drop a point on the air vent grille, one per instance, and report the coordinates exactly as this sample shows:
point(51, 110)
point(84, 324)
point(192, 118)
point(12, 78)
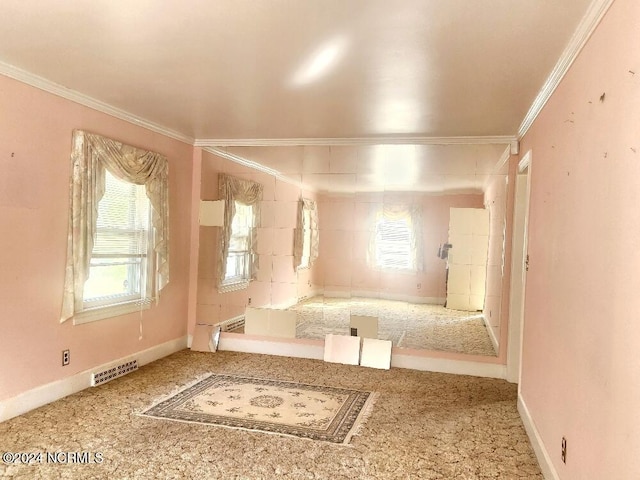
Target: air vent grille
point(98, 378)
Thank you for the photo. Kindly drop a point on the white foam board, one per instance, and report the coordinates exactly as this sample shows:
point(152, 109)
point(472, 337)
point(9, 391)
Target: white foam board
point(376, 353)
point(367, 326)
point(342, 349)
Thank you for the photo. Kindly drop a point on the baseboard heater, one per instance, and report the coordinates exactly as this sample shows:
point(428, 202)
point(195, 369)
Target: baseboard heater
point(98, 378)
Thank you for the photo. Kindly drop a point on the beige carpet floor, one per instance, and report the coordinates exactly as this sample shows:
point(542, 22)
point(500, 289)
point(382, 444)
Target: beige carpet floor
point(408, 325)
point(423, 426)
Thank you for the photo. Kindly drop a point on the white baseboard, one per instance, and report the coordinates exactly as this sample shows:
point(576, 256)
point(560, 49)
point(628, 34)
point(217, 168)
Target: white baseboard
point(385, 296)
point(235, 342)
point(39, 396)
point(544, 460)
point(446, 365)
point(492, 334)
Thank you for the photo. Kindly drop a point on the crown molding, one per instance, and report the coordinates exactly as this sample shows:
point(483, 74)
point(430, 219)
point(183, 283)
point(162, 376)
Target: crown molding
point(504, 158)
point(257, 166)
point(77, 97)
point(356, 141)
point(587, 25)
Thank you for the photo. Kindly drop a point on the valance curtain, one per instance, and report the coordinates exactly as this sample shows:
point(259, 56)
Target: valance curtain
point(303, 225)
point(412, 215)
point(247, 192)
point(90, 155)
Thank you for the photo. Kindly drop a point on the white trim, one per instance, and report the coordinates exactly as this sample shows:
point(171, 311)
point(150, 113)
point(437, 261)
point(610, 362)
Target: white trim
point(374, 140)
point(257, 166)
point(504, 158)
point(587, 25)
point(524, 163)
point(39, 396)
point(519, 250)
point(239, 342)
point(77, 97)
point(110, 311)
point(544, 460)
point(492, 336)
point(384, 296)
point(445, 365)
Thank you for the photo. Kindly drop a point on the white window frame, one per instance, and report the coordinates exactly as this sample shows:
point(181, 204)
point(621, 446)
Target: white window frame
point(305, 259)
point(410, 263)
point(239, 281)
point(120, 304)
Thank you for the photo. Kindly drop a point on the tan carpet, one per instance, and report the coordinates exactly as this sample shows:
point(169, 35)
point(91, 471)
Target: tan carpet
point(423, 426)
point(408, 325)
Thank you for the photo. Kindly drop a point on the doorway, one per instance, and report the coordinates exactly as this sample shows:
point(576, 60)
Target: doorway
point(519, 261)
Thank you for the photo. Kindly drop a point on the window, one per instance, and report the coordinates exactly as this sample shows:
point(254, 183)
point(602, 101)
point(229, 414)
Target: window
point(393, 243)
point(238, 260)
point(305, 261)
point(305, 245)
point(396, 239)
point(239, 257)
point(118, 268)
point(118, 233)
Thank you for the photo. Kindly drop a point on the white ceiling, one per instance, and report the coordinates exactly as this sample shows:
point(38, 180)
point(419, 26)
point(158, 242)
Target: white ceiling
point(225, 71)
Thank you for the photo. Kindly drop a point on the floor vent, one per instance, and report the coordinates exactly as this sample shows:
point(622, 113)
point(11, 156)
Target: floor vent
point(98, 378)
point(232, 324)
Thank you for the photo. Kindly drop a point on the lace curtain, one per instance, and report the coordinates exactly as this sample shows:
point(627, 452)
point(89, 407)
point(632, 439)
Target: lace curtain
point(90, 155)
point(412, 215)
point(247, 192)
point(298, 242)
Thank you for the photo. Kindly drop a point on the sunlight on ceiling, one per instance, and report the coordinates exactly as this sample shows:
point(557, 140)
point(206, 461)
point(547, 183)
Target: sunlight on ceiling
point(321, 62)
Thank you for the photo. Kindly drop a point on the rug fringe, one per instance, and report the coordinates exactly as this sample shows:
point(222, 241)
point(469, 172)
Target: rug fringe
point(364, 415)
point(176, 389)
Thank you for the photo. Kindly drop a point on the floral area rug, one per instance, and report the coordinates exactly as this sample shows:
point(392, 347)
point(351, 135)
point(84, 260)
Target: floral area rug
point(308, 411)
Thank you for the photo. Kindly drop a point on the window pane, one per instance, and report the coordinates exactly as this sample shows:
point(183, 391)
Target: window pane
point(119, 256)
point(114, 277)
point(239, 244)
point(393, 244)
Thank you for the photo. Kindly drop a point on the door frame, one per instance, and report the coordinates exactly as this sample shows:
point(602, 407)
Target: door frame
point(519, 270)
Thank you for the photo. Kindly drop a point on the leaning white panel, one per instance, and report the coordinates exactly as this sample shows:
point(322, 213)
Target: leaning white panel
point(256, 321)
point(366, 326)
point(376, 353)
point(282, 323)
point(342, 349)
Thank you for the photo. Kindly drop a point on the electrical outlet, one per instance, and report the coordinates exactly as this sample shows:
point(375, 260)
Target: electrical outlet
point(66, 358)
point(249, 300)
point(563, 455)
point(419, 286)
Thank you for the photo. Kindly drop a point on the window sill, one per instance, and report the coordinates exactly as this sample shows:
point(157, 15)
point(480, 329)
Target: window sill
point(100, 313)
point(406, 271)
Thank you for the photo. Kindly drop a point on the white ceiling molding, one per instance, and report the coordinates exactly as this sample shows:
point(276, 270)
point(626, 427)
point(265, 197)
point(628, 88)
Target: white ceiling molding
point(587, 25)
point(87, 101)
point(504, 158)
point(257, 166)
point(362, 141)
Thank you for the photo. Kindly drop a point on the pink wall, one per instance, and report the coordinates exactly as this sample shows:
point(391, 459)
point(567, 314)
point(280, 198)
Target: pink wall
point(277, 283)
point(344, 239)
point(581, 361)
point(35, 144)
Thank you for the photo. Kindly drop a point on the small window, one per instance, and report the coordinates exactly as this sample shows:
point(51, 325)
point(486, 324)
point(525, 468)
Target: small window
point(393, 243)
point(119, 265)
point(239, 258)
point(305, 261)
